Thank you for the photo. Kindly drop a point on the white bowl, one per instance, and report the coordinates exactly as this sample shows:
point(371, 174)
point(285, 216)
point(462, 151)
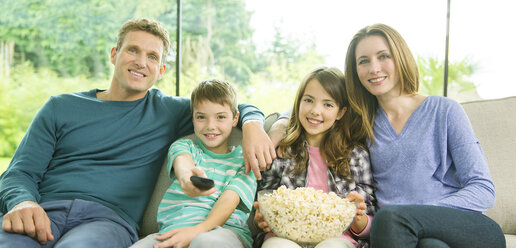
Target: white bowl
point(304, 215)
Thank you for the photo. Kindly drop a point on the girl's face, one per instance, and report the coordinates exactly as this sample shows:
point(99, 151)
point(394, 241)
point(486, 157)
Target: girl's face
point(375, 67)
point(318, 111)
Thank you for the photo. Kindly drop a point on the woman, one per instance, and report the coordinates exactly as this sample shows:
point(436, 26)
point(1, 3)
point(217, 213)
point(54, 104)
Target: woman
point(432, 178)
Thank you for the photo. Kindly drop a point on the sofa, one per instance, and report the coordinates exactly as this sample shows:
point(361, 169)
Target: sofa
point(494, 123)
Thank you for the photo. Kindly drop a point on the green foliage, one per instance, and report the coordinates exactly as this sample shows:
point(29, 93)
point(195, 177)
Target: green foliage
point(70, 37)
point(432, 73)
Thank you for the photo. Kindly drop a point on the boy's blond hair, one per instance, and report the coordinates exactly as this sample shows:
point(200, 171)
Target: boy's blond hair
point(216, 91)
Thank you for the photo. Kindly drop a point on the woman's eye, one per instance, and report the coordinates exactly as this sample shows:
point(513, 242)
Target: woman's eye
point(384, 56)
point(132, 50)
point(221, 117)
point(153, 57)
point(199, 117)
point(307, 100)
point(328, 105)
point(362, 61)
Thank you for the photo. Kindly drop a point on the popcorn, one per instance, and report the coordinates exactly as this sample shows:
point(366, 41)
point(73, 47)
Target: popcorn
point(306, 215)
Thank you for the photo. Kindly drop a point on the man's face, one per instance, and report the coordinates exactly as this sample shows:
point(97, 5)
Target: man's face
point(137, 64)
point(212, 124)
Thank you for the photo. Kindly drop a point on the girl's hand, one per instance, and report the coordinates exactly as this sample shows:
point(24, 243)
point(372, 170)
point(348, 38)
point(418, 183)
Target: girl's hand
point(258, 219)
point(178, 238)
point(360, 219)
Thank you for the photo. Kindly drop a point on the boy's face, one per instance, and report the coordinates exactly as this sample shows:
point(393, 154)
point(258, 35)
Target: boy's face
point(212, 124)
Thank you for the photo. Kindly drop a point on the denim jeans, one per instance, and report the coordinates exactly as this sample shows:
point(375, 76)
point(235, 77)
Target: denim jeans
point(78, 223)
point(408, 226)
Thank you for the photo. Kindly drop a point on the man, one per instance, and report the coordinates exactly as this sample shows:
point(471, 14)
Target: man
point(84, 171)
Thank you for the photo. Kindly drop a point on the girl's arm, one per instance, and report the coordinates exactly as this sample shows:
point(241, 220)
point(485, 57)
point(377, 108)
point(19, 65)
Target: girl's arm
point(364, 191)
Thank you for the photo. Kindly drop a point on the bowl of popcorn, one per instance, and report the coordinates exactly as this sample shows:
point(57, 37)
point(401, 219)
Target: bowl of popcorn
point(305, 215)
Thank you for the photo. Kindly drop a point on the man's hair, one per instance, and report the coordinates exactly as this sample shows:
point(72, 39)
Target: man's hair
point(216, 91)
point(149, 26)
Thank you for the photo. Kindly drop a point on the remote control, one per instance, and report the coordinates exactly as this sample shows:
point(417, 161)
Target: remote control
point(202, 183)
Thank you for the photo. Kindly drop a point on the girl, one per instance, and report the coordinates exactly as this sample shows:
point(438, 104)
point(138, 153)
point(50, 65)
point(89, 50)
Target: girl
point(319, 151)
point(430, 173)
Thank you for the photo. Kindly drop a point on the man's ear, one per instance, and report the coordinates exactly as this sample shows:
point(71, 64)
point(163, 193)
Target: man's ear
point(162, 69)
point(113, 55)
point(235, 119)
point(341, 113)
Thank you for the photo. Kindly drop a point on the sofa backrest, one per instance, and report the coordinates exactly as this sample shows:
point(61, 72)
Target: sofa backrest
point(494, 123)
point(149, 224)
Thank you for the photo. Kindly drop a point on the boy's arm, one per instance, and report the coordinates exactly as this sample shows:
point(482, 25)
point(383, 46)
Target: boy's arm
point(184, 168)
point(222, 210)
point(219, 214)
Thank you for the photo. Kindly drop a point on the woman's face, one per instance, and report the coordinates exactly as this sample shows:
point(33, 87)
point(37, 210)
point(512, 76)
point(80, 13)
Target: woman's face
point(375, 66)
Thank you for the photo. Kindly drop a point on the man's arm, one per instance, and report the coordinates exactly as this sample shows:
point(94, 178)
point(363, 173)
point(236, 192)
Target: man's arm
point(19, 184)
point(257, 147)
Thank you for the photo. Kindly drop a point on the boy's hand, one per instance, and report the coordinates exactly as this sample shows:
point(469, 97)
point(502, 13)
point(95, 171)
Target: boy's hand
point(179, 238)
point(28, 218)
point(257, 147)
point(258, 219)
point(192, 191)
point(361, 219)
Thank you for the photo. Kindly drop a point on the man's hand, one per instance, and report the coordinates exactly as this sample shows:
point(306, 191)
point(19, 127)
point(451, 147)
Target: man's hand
point(188, 187)
point(258, 148)
point(28, 218)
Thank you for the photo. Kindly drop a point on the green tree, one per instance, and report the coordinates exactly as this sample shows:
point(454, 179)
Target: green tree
point(432, 75)
point(68, 36)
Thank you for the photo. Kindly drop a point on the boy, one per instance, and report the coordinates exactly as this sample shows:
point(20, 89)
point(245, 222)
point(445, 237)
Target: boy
point(217, 219)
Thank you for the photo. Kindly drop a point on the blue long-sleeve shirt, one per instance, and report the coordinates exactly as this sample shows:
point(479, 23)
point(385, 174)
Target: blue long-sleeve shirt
point(435, 160)
point(111, 152)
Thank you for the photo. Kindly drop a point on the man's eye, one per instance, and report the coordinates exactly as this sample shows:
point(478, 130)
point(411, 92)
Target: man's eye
point(221, 117)
point(132, 50)
point(153, 57)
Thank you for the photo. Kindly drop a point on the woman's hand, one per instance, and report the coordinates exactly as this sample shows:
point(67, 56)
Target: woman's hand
point(361, 218)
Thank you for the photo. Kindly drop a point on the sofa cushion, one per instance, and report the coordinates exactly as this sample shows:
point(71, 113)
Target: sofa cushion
point(494, 123)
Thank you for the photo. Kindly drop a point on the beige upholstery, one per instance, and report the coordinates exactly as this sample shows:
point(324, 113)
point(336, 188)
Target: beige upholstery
point(494, 122)
point(149, 224)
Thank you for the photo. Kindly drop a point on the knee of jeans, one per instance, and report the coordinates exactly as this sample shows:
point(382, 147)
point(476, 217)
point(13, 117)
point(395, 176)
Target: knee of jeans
point(388, 214)
point(207, 239)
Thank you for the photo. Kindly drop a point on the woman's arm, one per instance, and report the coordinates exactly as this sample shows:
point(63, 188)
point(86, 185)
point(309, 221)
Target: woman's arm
point(476, 190)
